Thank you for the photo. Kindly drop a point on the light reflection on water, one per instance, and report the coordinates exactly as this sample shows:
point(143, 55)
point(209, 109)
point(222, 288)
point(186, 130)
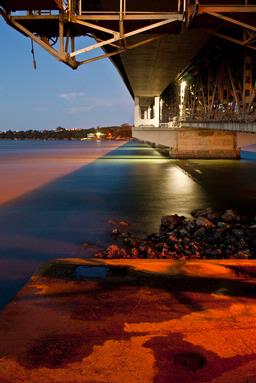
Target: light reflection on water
point(134, 183)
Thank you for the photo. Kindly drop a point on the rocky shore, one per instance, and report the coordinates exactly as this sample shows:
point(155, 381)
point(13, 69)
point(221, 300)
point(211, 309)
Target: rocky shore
point(207, 235)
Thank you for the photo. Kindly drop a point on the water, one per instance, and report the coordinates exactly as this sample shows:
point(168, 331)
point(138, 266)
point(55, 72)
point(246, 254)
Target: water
point(73, 199)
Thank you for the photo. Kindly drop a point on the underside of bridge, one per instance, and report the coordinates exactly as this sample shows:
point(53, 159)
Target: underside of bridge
point(183, 61)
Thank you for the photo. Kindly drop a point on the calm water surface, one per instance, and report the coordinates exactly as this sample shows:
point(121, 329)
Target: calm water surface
point(133, 182)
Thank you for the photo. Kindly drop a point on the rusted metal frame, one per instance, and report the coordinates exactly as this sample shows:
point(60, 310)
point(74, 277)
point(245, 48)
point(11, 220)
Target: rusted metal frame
point(244, 76)
point(186, 13)
point(121, 50)
point(208, 88)
point(118, 38)
point(251, 38)
point(121, 22)
point(233, 86)
point(179, 6)
point(193, 106)
point(232, 39)
point(132, 16)
point(35, 17)
point(121, 19)
point(252, 97)
point(61, 56)
point(67, 41)
point(69, 9)
point(99, 40)
point(226, 9)
point(72, 44)
point(232, 21)
point(202, 91)
point(193, 10)
point(61, 34)
point(77, 20)
point(214, 92)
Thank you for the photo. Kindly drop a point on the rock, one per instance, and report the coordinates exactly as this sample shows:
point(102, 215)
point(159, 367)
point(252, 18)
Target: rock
point(223, 225)
point(238, 232)
point(190, 224)
point(244, 254)
point(200, 232)
point(212, 252)
point(209, 235)
point(201, 212)
point(242, 244)
point(172, 221)
point(230, 216)
point(112, 222)
point(213, 216)
point(123, 223)
point(219, 234)
point(183, 232)
point(135, 252)
point(173, 238)
point(114, 251)
point(99, 254)
point(201, 221)
point(151, 253)
point(115, 232)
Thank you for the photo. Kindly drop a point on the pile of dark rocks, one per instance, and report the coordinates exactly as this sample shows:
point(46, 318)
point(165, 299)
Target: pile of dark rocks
point(207, 235)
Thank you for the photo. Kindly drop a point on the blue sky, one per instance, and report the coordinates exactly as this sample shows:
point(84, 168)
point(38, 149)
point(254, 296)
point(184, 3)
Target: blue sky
point(54, 94)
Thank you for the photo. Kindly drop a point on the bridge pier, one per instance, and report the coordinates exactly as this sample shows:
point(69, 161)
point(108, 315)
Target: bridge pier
point(197, 142)
point(147, 111)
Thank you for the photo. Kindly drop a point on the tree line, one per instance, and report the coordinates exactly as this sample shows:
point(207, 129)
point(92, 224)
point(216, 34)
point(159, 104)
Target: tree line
point(112, 132)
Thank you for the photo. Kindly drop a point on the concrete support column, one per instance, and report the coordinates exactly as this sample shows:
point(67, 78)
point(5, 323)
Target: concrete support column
point(149, 113)
point(156, 122)
point(137, 112)
point(146, 120)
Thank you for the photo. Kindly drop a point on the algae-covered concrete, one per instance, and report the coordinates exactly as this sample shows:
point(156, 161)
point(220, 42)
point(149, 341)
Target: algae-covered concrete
point(88, 321)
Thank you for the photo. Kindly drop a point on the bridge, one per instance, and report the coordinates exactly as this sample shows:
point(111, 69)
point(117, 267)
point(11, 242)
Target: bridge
point(188, 64)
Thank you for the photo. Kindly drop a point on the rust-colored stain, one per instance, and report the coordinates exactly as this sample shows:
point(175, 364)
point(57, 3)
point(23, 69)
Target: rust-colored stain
point(136, 322)
point(52, 351)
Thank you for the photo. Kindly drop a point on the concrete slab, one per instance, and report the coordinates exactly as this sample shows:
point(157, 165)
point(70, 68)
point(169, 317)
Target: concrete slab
point(88, 321)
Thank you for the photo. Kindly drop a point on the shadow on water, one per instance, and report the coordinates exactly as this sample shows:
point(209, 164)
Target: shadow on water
point(228, 183)
point(133, 183)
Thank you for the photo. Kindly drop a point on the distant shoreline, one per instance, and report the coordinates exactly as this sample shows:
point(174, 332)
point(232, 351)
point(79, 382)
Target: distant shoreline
point(116, 133)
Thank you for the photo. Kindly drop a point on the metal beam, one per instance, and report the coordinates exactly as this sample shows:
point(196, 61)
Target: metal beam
point(114, 39)
point(132, 16)
point(119, 51)
point(61, 56)
point(226, 9)
point(232, 39)
point(77, 20)
point(231, 20)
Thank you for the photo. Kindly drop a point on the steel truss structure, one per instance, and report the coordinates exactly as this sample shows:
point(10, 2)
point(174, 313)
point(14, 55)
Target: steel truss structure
point(75, 20)
point(219, 86)
point(56, 24)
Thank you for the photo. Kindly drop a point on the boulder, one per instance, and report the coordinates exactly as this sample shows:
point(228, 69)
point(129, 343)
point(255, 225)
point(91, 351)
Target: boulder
point(202, 221)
